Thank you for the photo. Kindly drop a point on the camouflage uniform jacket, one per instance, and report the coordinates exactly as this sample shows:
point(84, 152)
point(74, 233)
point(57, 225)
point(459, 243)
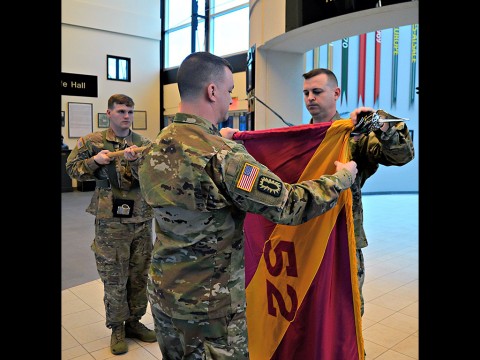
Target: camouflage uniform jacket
point(393, 147)
point(80, 166)
point(201, 186)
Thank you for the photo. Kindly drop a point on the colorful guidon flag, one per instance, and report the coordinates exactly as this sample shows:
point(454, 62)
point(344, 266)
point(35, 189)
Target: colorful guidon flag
point(301, 282)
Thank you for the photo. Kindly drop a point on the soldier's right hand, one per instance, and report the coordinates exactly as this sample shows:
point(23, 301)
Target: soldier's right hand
point(101, 158)
point(351, 166)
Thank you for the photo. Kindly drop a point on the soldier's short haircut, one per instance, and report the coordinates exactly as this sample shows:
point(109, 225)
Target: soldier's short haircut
point(332, 79)
point(197, 70)
point(120, 99)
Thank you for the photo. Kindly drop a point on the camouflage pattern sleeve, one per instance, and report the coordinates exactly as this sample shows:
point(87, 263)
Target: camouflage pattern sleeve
point(254, 188)
point(393, 147)
point(397, 144)
point(80, 164)
point(135, 163)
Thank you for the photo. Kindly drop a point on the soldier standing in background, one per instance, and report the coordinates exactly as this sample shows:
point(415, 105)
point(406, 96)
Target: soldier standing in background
point(390, 145)
point(123, 221)
point(201, 186)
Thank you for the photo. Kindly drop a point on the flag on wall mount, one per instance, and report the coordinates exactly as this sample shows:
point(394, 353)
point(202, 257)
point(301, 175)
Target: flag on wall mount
point(362, 50)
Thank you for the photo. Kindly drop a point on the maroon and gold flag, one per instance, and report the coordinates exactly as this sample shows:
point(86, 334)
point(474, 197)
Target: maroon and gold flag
point(302, 291)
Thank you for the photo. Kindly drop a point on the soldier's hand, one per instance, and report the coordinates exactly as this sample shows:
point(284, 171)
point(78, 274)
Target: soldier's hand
point(101, 158)
point(227, 132)
point(130, 153)
point(354, 113)
point(351, 166)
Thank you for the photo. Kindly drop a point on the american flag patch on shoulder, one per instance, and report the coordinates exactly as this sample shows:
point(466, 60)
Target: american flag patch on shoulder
point(248, 177)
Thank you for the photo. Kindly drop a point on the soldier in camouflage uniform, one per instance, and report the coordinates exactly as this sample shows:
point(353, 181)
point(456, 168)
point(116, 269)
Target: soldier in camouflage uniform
point(123, 221)
point(389, 145)
point(201, 185)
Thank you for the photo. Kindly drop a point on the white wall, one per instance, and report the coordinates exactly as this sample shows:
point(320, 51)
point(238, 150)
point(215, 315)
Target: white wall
point(91, 30)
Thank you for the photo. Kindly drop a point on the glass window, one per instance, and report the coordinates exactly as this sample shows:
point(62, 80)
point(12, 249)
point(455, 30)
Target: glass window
point(179, 46)
point(178, 13)
point(222, 5)
point(118, 68)
point(230, 32)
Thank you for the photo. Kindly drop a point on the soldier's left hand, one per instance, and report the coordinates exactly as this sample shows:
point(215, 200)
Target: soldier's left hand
point(228, 132)
point(354, 113)
point(130, 154)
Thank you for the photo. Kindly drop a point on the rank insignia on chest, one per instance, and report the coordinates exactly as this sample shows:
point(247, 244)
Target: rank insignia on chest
point(248, 177)
point(269, 186)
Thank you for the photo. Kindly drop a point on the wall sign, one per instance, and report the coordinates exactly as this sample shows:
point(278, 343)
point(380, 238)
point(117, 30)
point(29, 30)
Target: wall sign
point(79, 85)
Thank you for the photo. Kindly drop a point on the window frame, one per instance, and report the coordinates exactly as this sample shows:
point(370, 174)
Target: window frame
point(117, 60)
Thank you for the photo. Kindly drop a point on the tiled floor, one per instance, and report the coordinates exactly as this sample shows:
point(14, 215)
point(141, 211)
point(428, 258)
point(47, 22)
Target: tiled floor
point(390, 322)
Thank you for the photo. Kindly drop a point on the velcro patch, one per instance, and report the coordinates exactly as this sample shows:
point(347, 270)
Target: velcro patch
point(270, 186)
point(80, 143)
point(248, 177)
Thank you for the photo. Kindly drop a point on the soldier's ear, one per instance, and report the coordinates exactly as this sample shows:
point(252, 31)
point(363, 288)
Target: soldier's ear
point(211, 92)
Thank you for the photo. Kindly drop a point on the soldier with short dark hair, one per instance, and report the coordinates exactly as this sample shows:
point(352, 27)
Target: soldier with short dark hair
point(389, 145)
point(201, 186)
point(123, 221)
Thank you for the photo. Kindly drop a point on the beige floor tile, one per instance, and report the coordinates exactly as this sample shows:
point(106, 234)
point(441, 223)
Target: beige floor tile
point(81, 318)
point(73, 306)
point(386, 284)
point(84, 357)
point(392, 302)
point(407, 291)
point(98, 344)
point(74, 352)
point(410, 310)
point(67, 295)
point(408, 347)
point(153, 349)
point(401, 322)
point(68, 341)
point(375, 271)
point(373, 350)
point(91, 293)
point(384, 335)
point(366, 323)
point(372, 291)
point(393, 355)
point(91, 332)
point(375, 312)
point(405, 275)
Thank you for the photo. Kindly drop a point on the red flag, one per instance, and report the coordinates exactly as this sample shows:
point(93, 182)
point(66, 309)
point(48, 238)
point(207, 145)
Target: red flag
point(345, 42)
point(302, 292)
point(362, 53)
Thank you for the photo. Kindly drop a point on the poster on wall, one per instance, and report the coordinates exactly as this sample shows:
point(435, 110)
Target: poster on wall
point(80, 119)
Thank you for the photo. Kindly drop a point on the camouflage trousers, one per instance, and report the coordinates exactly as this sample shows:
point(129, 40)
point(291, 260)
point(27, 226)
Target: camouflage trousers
point(361, 277)
point(123, 255)
point(219, 339)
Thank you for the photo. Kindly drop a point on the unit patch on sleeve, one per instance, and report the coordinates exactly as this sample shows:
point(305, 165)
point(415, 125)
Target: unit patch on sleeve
point(269, 186)
point(248, 177)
